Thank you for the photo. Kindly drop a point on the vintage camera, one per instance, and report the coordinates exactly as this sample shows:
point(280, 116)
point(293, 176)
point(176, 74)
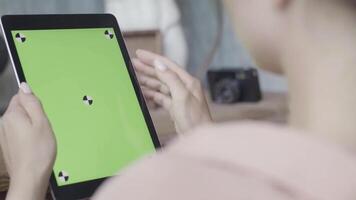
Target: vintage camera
point(229, 86)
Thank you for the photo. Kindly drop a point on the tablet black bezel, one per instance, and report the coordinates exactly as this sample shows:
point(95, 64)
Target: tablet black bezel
point(72, 21)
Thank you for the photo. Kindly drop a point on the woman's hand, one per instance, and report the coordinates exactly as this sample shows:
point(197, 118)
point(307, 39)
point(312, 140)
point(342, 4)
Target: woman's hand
point(28, 145)
point(168, 85)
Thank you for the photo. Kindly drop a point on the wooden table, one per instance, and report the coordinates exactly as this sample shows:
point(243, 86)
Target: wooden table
point(273, 108)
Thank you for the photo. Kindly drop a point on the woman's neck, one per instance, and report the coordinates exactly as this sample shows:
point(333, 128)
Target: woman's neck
point(320, 64)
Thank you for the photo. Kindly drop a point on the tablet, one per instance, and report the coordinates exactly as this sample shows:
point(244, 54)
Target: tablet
point(79, 68)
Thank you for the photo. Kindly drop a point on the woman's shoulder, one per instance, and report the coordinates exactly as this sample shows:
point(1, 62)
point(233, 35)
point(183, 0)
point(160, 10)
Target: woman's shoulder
point(256, 137)
point(239, 160)
point(291, 156)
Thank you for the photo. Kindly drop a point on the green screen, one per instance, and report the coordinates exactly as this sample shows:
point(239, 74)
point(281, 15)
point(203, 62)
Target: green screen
point(82, 80)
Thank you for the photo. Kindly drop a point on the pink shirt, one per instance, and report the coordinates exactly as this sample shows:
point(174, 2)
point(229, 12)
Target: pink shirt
point(246, 161)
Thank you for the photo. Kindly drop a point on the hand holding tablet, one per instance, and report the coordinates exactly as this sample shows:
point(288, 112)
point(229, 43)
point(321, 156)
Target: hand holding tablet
point(28, 146)
point(80, 69)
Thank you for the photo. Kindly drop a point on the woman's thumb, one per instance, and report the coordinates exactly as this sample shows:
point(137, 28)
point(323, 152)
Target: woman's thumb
point(25, 88)
point(31, 103)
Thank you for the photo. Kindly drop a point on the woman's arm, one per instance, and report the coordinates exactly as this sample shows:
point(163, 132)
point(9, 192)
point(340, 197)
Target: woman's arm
point(28, 145)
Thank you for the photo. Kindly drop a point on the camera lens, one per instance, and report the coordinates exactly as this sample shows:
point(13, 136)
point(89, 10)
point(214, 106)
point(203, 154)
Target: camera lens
point(227, 91)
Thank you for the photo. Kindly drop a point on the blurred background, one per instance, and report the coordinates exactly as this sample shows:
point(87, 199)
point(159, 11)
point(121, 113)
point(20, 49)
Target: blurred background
point(196, 34)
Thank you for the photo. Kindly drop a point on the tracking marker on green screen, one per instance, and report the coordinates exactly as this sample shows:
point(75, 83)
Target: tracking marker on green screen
point(63, 176)
point(109, 34)
point(20, 37)
point(88, 100)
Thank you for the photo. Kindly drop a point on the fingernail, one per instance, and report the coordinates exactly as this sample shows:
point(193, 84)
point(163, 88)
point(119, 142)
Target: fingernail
point(139, 52)
point(25, 88)
point(160, 66)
